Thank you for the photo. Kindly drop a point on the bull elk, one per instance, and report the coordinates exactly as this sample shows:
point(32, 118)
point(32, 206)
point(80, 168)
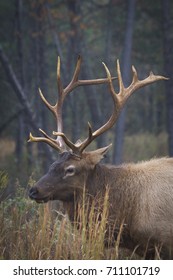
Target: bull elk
point(140, 195)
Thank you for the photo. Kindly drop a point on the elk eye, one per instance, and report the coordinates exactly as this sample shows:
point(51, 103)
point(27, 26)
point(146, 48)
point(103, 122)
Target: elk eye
point(69, 171)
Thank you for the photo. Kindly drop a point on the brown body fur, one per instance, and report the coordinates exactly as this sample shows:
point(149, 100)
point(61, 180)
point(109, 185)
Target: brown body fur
point(140, 195)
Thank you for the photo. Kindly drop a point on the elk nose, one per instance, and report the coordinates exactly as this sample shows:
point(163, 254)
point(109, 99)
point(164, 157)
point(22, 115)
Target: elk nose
point(33, 193)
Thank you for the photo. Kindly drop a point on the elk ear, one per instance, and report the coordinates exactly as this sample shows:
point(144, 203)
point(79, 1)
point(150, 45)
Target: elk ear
point(96, 156)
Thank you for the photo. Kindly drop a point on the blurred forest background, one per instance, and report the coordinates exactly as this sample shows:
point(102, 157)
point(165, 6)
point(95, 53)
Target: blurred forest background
point(34, 32)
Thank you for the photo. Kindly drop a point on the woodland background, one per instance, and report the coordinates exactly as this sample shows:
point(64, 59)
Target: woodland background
point(32, 35)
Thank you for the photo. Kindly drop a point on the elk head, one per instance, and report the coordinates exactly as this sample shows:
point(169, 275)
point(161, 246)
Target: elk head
point(68, 174)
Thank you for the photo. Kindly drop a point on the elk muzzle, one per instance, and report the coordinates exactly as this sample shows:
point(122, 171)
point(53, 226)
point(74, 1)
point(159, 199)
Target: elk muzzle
point(43, 190)
point(34, 194)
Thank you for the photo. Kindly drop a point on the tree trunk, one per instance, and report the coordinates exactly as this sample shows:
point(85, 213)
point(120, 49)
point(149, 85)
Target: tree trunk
point(126, 74)
point(21, 95)
point(168, 62)
point(41, 76)
point(21, 119)
point(9, 120)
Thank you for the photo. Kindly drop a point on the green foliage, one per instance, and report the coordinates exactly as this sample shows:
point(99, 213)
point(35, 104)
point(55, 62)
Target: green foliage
point(3, 179)
point(144, 146)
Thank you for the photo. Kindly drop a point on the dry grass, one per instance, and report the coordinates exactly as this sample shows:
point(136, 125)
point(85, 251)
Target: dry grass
point(29, 231)
point(7, 147)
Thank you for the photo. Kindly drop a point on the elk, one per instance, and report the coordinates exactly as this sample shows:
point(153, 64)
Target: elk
point(140, 194)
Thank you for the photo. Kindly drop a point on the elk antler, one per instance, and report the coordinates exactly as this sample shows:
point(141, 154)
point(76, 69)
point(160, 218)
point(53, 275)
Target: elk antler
point(119, 99)
point(61, 140)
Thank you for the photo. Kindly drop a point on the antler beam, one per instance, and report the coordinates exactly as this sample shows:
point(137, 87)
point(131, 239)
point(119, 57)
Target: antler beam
point(119, 100)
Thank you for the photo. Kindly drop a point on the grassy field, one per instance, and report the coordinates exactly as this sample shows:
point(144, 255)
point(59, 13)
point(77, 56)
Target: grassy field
point(30, 231)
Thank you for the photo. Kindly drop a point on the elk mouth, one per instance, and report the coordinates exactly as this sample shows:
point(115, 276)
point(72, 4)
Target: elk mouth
point(34, 195)
point(42, 200)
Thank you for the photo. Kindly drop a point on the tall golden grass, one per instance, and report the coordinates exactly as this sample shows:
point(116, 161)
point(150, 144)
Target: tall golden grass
point(30, 231)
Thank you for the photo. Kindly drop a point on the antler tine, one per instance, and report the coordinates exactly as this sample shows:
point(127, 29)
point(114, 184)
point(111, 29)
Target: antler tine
point(49, 106)
point(120, 80)
point(137, 84)
point(80, 146)
point(59, 82)
point(70, 144)
point(76, 82)
point(48, 140)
